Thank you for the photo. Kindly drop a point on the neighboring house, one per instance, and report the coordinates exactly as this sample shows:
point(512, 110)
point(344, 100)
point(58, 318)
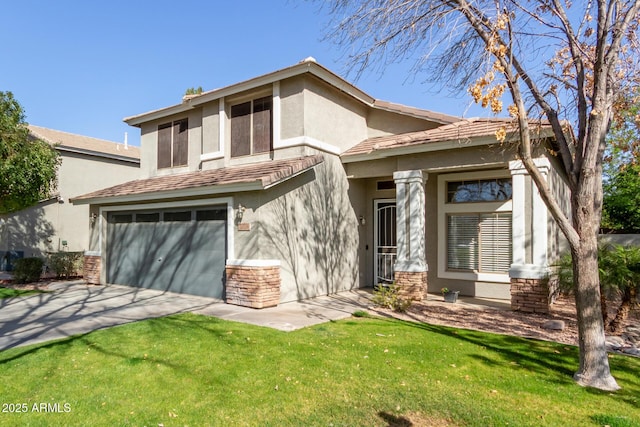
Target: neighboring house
point(55, 224)
point(296, 184)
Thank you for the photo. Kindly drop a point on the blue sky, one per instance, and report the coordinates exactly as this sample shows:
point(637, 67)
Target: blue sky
point(82, 66)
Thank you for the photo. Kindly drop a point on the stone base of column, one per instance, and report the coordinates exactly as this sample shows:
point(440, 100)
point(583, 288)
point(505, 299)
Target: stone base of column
point(251, 286)
point(91, 269)
point(411, 285)
point(531, 295)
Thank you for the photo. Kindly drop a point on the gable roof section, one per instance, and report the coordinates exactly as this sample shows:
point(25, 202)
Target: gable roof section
point(464, 133)
point(415, 112)
point(85, 145)
point(308, 65)
point(258, 176)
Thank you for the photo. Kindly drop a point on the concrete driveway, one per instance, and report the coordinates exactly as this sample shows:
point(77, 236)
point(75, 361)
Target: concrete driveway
point(75, 308)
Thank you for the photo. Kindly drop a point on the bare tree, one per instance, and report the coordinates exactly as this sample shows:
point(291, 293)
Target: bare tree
point(567, 62)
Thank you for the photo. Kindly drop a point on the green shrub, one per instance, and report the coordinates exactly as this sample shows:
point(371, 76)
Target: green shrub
point(66, 264)
point(27, 270)
point(360, 313)
point(619, 268)
point(619, 271)
point(388, 297)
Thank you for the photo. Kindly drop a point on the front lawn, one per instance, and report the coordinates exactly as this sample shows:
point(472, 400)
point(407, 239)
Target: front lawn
point(190, 370)
point(10, 292)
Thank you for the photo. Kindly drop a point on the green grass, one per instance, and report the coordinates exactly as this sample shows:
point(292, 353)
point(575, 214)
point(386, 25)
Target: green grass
point(190, 370)
point(10, 293)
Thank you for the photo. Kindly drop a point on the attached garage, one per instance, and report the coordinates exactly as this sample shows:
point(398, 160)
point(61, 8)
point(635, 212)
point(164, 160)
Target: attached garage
point(179, 232)
point(177, 250)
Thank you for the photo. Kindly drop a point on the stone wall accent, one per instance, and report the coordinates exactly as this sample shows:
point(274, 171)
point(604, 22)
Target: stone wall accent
point(411, 285)
point(251, 286)
point(531, 295)
point(91, 269)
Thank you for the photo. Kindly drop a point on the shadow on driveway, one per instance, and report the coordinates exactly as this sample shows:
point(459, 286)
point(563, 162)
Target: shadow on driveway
point(76, 308)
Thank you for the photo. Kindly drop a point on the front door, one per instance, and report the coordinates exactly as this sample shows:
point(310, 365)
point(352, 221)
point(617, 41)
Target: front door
point(384, 240)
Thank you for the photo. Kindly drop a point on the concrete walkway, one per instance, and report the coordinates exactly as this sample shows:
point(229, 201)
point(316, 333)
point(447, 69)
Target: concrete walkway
point(75, 308)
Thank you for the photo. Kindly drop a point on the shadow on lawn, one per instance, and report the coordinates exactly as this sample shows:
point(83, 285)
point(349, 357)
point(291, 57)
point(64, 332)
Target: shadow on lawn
point(523, 353)
point(533, 355)
point(394, 420)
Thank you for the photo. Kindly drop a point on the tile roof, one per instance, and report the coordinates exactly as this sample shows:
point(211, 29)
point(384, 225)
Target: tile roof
point(412, 111)
point(264, 174)
point(462, 131)
point(85, 144)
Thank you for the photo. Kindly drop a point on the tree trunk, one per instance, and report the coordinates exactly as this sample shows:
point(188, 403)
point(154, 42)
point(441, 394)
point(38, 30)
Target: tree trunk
point(594, 368)
point(603, 307)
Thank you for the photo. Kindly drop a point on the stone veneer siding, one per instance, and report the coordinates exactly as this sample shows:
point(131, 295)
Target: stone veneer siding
point(255, 287)
point(411, 285)
point(91, 269)
point(531, 295)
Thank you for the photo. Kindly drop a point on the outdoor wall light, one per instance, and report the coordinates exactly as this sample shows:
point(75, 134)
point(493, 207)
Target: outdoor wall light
point(92, 218)
point(240, 212)
point(362, 220)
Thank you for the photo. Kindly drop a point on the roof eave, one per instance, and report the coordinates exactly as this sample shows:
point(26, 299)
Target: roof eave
point(427, 146)
point(138, 120)
point(420, 148)
point(172, 194)
point(440, 118)
point(295, 70)
point(98, 154)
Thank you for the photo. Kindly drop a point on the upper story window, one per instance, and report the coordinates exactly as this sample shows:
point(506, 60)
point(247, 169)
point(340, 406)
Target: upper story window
point(251, 127)
point(480, 190)
point(173, 144)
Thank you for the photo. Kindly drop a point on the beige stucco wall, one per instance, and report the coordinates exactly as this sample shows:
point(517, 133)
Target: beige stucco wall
point(383, 123)
point(308, 224)
point(332, 117)
point(149, 145)
point(44, 227)
point(312, 112)
point(210, 127)
point(292, 112)
point(365, 176)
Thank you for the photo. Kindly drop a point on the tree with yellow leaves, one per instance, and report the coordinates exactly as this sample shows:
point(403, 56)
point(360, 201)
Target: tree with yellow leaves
point(567, 62)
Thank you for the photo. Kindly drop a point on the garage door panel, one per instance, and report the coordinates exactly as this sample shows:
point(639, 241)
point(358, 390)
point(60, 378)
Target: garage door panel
point(177, 256)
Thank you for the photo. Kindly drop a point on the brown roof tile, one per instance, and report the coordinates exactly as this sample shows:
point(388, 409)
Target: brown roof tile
point(463, 130)
point(84, 143)
point(264, 174)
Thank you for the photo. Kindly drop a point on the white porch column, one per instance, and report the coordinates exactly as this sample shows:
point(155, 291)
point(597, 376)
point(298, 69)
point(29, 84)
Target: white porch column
point(540, 223)
point(411, 265)
point(410, 221)
point(537, 266)
point(518, 221)
point(530, 290)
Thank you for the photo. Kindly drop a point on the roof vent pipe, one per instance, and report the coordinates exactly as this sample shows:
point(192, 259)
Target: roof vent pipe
point(126, 140)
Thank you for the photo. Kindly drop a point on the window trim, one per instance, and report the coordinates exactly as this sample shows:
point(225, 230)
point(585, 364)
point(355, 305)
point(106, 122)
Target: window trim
point(447, 201)
point(470, 208)
point(251, 101)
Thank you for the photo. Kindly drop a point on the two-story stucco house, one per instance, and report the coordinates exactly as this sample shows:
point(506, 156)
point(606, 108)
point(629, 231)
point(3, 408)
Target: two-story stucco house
point(87, 164)
point(297, 183)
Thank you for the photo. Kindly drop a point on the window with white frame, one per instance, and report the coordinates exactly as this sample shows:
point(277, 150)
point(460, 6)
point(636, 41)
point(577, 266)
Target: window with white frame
point(475, 223)
point(479, 242)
